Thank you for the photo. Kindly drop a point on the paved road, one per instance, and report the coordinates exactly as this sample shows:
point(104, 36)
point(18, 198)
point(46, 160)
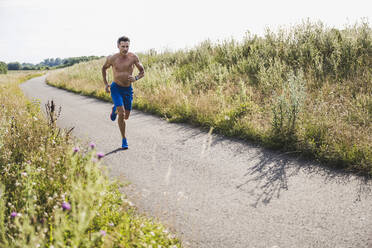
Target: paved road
point(218, 192)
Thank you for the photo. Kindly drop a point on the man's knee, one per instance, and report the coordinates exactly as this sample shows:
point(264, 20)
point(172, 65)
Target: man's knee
point(120, 112)
point(127, 113)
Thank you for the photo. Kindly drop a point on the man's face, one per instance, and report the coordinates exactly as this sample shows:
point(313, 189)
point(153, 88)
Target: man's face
point(123, 47)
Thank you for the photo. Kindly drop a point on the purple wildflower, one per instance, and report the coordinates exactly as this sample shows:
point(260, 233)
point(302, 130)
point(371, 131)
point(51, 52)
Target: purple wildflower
point(100, 155)
point(92, 145)
point(103, 232)
point(14, 214)
point(66, 206)
point(76, 149)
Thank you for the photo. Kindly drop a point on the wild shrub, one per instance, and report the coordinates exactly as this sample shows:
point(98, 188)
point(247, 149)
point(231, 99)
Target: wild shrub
point(3, 68)
point(286, 108)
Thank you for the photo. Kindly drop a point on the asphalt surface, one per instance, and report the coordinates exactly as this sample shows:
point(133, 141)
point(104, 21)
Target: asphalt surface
point(218, 192)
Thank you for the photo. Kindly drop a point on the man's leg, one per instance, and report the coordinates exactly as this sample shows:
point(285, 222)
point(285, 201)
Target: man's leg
point(117, 99)
point(124, 113)
point(121, 121)
point(127, 113)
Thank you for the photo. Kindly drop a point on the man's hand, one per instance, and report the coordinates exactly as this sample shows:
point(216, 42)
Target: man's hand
point(107, 88)
point(131, 78)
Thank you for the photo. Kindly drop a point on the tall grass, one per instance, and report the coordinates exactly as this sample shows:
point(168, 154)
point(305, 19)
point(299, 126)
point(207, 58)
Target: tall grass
point(18, 76)
point(305, 89)
point(54, 193)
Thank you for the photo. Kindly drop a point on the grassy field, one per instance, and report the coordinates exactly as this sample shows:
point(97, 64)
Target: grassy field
point(306, 89)
point(18, 76)
point(54, 192)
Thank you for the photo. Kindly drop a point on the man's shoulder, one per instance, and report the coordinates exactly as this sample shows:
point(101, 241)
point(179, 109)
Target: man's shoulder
point(113, 56)
point(132, 55)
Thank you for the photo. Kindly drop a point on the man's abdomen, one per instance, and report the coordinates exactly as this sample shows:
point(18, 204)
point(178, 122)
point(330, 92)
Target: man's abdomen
point(121, 78)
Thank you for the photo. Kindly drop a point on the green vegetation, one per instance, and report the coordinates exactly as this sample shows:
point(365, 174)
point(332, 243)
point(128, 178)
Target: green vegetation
point(55, 194)
point(50, 63)
point(3, 68)
point(306, 90)
point(13, 66)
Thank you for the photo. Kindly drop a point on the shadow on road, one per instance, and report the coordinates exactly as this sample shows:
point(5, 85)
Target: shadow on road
point(268, 177)
point(114, 151)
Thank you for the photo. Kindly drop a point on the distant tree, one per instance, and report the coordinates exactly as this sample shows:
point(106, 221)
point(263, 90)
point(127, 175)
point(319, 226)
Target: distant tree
point(46, 61)
point(3, 68)
point(14, 66)
point(58, 61)
point(28, 66)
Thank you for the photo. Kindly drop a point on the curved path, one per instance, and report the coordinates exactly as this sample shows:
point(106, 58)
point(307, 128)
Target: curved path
point(219, 192)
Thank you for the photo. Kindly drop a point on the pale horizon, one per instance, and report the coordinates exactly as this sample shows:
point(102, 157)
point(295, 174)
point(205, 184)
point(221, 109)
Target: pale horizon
point(34, 30)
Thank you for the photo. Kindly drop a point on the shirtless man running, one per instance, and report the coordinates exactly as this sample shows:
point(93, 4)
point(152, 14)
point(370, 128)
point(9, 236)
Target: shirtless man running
point(121, 88)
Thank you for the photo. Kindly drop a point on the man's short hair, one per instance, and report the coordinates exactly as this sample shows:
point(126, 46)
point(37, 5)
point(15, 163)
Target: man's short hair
point(123, 38)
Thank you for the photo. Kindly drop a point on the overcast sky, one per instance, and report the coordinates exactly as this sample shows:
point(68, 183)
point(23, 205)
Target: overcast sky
point(33, 30)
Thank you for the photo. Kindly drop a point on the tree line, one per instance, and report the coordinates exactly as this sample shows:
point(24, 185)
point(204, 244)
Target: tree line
point(46, 64)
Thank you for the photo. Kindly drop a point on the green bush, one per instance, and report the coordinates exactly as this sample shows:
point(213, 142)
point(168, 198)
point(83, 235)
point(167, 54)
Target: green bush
point(286, 108)
point(3, 68)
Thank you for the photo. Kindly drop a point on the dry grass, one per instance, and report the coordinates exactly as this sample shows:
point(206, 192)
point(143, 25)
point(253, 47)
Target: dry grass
point(18, 76)
point(245, 90)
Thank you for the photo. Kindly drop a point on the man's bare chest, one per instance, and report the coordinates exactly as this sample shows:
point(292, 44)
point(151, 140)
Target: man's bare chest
point(123, 64)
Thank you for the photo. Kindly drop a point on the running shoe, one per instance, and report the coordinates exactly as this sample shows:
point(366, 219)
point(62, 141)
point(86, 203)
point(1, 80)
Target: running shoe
point(124, 144)
point(113, 113)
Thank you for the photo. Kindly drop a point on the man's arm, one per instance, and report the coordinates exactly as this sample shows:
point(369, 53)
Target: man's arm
point(139, 66)
point(104, 68)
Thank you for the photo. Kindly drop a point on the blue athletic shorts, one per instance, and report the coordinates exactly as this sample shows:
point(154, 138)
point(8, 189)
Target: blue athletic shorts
point(122, 95)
